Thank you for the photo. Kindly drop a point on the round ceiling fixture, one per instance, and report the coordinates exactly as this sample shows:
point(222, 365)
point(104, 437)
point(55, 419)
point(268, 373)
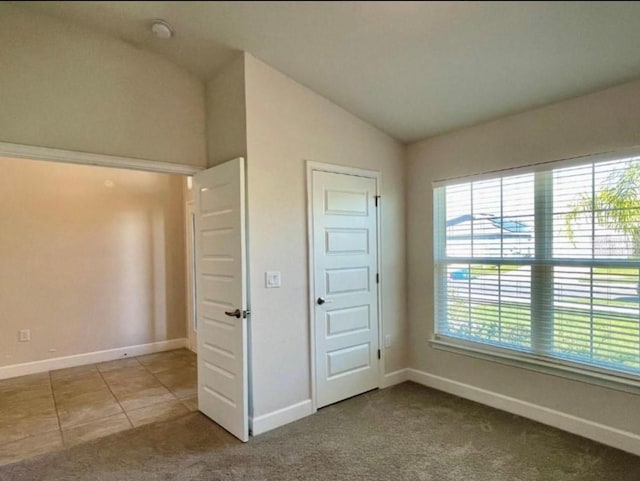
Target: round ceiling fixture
point(161, 29)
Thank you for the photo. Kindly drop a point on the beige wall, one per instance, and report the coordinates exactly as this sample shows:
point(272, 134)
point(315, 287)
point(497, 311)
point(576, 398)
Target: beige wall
point(68, 272)
point(87, 267)
point(67, 87)
point(288, 124)
point(603, 121)
point(226, 114)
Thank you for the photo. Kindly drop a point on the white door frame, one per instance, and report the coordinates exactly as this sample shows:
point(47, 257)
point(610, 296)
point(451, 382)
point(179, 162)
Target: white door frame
point(190, 275)
point(11, 150)
point(33, 152)
point(339, 169)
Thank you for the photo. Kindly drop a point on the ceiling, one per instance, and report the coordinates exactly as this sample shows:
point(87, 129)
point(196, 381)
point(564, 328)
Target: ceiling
point(413, 69)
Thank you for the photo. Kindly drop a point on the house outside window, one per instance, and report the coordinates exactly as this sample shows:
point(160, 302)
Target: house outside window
point(543, 266)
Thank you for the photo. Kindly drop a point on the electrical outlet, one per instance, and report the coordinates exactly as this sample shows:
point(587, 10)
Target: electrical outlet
point(24, 335)
point(387, 340)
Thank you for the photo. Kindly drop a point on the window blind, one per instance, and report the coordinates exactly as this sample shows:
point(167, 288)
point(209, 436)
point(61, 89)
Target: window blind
point(545, 263)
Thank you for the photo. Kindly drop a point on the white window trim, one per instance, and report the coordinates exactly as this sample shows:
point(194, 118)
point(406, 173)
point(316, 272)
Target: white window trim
point(524, 360)
point(590, 374)
point(612, 155)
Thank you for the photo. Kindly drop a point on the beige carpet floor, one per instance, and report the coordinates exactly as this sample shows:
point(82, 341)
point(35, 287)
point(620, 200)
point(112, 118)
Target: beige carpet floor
point(407, 432)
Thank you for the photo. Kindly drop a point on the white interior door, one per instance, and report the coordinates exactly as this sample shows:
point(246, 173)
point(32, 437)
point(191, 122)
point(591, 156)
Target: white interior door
point(345, 254)
point(219, 204)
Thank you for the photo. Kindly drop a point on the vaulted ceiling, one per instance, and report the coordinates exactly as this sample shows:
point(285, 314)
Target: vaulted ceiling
point(413, 69)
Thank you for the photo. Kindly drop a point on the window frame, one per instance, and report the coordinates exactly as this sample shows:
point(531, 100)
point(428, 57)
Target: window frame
point(556, 366)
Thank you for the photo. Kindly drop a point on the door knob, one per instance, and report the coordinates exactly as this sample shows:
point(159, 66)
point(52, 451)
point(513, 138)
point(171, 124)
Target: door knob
point(235, 313)
point(322, 300)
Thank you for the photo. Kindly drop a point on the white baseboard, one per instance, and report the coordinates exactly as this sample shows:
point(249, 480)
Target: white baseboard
point(395, 377)
point(275, 419)
point(45, 365)
point(618, 438)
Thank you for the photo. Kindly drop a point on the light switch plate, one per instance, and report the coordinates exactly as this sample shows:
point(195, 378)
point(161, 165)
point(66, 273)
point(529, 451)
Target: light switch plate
point(272, 279)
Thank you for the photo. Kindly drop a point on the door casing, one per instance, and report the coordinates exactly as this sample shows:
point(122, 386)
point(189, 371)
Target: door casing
point(345, 170)
point(190, 261)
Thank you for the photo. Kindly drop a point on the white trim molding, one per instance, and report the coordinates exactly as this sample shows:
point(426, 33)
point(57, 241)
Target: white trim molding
point(33, 152)
point(275, 419)
point(395, 377)
point(618, 438)
point(267, 422)
point(52, 364)
point(555, 367)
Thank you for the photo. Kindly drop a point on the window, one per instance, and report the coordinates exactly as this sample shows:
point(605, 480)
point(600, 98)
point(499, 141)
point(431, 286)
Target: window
point(543, 266)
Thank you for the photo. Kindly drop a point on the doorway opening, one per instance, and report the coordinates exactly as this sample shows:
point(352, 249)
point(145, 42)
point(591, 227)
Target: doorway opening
point(104, 279)
point(94, 306)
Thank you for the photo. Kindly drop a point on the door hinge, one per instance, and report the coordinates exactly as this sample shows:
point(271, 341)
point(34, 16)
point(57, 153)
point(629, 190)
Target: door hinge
point(379, 354)
point(377, 278)
point(377, 198)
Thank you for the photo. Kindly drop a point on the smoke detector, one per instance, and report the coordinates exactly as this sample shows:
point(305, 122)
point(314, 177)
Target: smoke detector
point(161, 29)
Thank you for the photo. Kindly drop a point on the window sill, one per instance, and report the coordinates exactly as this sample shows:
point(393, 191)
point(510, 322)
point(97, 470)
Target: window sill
point(525, 361)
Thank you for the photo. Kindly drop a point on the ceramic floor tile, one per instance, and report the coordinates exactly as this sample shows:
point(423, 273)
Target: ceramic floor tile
point(95, 429)
point(183, 382)
point(191, 403)
point(157, 412)
point(119, 379)
point(144, 397)
point(14, 407)
point(14, 429)
point(181, 353)
point(80, 396)
point(72, 372)
point(118, 364)
point(31, 446)
point(167, 365)
point(32, 379)
point(83, 382)
point(87, 402)
point(185, 353)
point(86, 407)
point(25, 387)
point(161, 362)
point(135, 389)
point(25, 397)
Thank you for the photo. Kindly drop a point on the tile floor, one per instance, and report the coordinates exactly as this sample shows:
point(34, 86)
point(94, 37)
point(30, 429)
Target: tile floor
point(47, 411)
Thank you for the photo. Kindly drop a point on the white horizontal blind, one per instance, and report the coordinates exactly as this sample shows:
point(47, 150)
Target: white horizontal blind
point(545, 263)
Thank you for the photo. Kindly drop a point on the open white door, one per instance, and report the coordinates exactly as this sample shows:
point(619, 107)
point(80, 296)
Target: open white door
point(219, 205)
